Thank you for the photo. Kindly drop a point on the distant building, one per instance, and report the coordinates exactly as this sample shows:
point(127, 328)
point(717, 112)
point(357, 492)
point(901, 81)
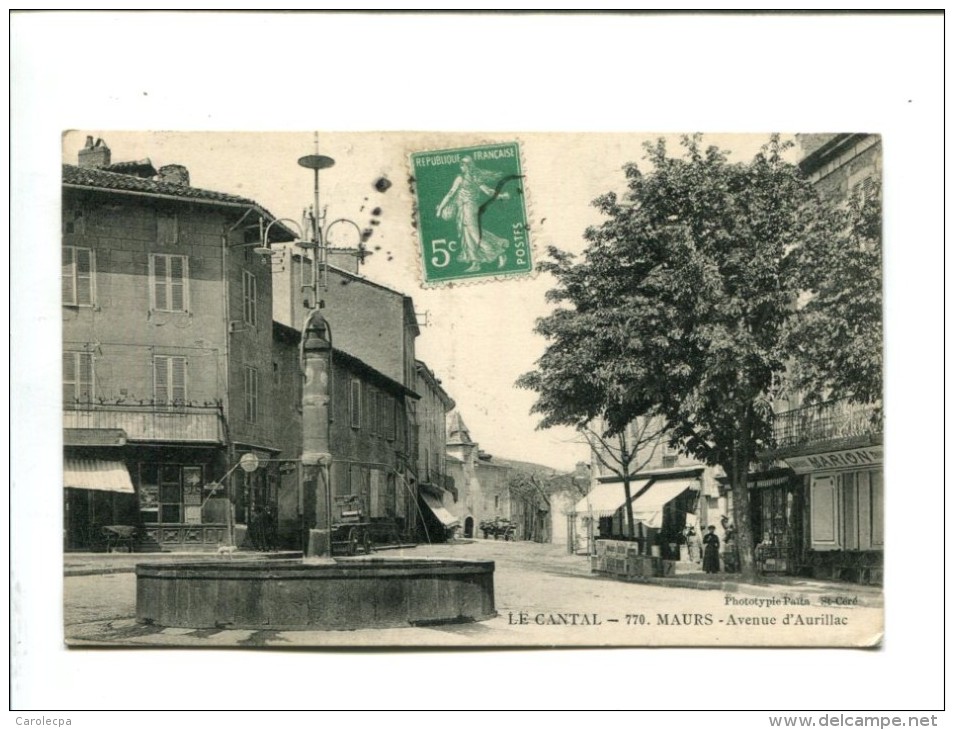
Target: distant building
point(428, 430)
point(167, 368)
point(492, 489)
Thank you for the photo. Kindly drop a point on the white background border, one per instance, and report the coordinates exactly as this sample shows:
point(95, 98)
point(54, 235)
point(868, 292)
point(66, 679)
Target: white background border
point(716, 73)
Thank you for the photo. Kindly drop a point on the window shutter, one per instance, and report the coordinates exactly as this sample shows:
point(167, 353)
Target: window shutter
point(355, 404)
point(160, 298)
point(85, 376)
point(69, 377)
point(177, 283)
point(178, 380)
point(877, 510)
point(69, 288)
point(84, 275)
point(824, 513)
point(161, 370)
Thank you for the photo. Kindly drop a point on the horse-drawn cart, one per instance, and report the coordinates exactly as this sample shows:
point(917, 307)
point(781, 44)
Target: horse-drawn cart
point(350, 530)
point(500, 529)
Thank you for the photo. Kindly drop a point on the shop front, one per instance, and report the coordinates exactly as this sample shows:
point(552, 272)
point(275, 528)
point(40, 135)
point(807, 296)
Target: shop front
point(843, 513)
point(777, 503)
point(181, 507)
point(98, 497)
point(663, 506)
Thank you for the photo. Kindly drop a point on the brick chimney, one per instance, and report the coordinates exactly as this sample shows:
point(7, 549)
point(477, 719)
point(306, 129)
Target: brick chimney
point(175, 174)
point(94, 154)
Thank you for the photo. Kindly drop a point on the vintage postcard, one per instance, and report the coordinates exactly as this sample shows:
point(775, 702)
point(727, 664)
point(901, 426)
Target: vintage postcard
point(411, 389)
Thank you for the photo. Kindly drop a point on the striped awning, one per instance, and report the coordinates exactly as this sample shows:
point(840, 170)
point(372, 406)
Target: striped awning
point(604, 499)
point(97, 474)
point(648, 508)
point(435, 506)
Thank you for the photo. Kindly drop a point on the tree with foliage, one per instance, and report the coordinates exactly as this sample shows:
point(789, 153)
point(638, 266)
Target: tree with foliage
point(535, 485)
point(680, 305)
point(837, 338)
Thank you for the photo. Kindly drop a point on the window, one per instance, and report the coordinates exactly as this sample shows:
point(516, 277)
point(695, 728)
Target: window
point(372, 399)
point(355, 404)
point(390, 423)
point(167, 229)
point(249, 298)
point(169, 282)
point(847, 511)
point(170, 493)
point(169, 376)
point(864, 189)
point(251, 394)
point(383, 403)
point(77, 377)
point(78, 265)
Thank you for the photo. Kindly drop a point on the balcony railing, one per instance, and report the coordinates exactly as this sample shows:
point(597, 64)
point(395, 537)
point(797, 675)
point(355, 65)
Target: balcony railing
point(829, 421)
point(149, 423)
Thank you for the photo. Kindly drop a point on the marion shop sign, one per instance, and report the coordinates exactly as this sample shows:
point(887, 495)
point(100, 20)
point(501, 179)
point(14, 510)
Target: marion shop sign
point(847, 459)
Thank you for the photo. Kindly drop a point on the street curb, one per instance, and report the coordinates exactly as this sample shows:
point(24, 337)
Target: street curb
point(753, 588)
point(172, 559)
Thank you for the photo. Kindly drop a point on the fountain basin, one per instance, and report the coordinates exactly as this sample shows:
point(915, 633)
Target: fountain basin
point(294, 595)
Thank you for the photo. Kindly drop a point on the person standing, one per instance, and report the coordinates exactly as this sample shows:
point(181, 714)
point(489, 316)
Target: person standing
point(710, 551)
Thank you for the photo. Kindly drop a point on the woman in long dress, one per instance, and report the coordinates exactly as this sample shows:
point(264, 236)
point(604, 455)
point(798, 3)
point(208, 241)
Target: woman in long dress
point(463, 202)
point(710, 551)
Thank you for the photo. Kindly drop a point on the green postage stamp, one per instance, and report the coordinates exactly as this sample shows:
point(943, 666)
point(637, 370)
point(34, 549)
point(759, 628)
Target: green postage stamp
point(472, 212)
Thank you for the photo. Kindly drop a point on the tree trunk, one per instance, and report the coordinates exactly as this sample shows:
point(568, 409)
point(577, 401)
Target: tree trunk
point(630, 522)
point(742, 517)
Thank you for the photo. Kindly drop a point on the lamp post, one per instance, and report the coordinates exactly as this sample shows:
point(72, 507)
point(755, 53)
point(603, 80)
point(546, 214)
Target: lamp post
point(316, 366)
point(318, 374)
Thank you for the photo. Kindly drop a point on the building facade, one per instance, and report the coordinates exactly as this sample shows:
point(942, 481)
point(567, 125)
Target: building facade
point(428, 437)
point(819, 501)
point(496, 491)
point(166, 353)
point(368, 441)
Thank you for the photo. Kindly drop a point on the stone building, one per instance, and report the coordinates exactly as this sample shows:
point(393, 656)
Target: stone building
point(167, 369)
point(428, 438)
point(369, 445)
point(370, 322)
point(489, 488)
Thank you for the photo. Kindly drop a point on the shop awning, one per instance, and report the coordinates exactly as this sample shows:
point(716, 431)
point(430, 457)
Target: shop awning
point(604, 499)
point(97, 474)
point(435, 506)
point(648, 507)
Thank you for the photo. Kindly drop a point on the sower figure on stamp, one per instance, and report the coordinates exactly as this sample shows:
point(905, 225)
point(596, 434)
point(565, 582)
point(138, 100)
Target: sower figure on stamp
point(463, 201)
point(710, 553)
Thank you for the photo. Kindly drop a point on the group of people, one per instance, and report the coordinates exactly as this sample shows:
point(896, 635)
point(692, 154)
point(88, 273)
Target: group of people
point(711, 546)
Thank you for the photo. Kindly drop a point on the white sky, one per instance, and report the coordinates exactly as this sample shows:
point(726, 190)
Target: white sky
point(479, 337)
point(609, 73)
